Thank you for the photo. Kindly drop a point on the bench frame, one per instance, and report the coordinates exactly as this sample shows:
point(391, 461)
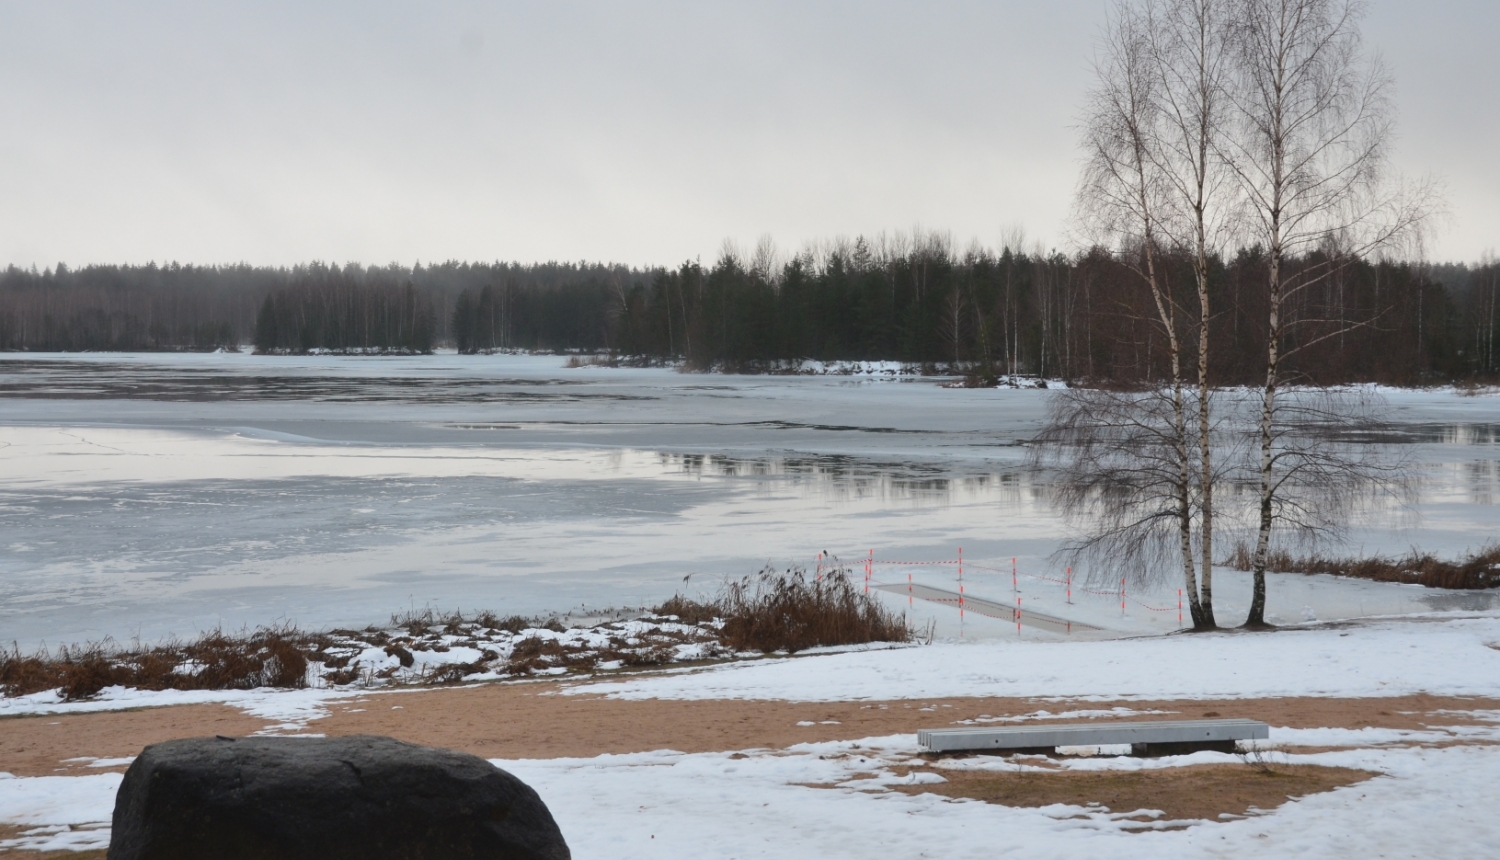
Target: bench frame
point(1154, 737)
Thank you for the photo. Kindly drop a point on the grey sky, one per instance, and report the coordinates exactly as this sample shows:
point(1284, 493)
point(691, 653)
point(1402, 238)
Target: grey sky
point(640, 133)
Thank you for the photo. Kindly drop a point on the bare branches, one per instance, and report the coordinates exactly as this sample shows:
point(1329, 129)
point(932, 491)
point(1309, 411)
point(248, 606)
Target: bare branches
point(1258, 121)
point(1327, 466)
point(1115, 463)
point(1313, 125)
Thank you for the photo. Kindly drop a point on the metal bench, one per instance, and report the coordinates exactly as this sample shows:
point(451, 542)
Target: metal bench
point(1157, 737)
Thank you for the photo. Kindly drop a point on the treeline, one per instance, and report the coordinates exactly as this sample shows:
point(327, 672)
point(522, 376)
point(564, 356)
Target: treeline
point(1087, 317)
point(547, 306)
point(127, 308)
point(327, 309)
point(915, 300)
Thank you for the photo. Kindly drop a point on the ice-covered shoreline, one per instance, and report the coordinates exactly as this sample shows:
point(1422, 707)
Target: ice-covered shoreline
point(156, 495)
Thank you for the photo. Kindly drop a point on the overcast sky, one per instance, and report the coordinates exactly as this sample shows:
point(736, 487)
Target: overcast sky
point(643, 133)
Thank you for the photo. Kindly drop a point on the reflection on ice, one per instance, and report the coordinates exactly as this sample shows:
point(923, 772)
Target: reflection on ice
point(112, 530)
point(1461, 601)
point(1449, 434)
point(845, 477)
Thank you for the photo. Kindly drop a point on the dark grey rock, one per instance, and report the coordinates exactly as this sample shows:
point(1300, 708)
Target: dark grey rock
point(361, 796)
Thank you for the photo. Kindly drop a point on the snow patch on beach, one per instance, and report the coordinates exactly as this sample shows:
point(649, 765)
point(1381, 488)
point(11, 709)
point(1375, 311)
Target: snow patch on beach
point(58, 813)
point(666, 804)
point(292, 709)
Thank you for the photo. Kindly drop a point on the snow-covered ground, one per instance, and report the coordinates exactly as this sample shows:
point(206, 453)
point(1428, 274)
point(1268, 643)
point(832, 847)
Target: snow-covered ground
point(1428, 801)
point(1440, 654)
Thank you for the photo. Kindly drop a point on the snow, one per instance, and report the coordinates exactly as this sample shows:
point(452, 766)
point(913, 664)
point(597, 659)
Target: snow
point(1457, 657)
point(293, 709)
point(834, 799)
point(58, 812)
point(1425, 803)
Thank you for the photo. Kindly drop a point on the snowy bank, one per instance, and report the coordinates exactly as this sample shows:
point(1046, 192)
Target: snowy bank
point(1458, 657)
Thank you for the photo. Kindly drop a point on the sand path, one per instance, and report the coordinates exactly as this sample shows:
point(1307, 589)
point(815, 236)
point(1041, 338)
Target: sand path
point(517, 721)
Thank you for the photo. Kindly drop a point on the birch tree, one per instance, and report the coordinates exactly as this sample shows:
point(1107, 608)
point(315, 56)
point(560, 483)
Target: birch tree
point(1192, 58)
point(1154, 179)
point(1314, 123)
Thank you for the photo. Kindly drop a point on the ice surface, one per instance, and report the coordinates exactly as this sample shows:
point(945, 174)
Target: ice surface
point(153, 495)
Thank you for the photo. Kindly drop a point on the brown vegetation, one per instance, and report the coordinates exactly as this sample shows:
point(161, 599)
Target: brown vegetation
point(770, 612)
point(1479, 570)
point(784, 611)
point(1181, 793)
point(269, 657)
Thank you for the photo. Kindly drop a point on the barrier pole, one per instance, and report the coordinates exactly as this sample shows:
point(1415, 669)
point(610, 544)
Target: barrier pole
point(869, 562)
point(1070, 586)
point(1179, 607)
point(960, 592)
point(908, 588)
point(1018, 616)
point(1122, 596)
point(1013, 587)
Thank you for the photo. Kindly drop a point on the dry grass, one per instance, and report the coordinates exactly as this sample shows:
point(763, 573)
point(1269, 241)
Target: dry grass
point(269, 657)
point(768, 612)
point(785, 611)
point(1479, 570)
point(287, 657)
point(1181, 793)
point(689, 611)
point(1475, 388)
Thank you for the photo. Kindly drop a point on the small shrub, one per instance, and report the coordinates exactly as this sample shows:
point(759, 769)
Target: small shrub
point(787, 612)
point(536, 652)
point(687, 610)
point(454, 673)
point(401, 654)
point(514, 624)
point(453, 624)
point(269, 657)
point(413, 622)
point(22, 674)
point(658, 656)
point(85, 674)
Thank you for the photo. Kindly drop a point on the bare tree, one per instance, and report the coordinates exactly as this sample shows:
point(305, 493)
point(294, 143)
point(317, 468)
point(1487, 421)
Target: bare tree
point(1192, 57)
point(1331, 461)
point(1314, 124)
point(765, 262)
point(954, 328)
point(1127, 194)
point(1117, 464)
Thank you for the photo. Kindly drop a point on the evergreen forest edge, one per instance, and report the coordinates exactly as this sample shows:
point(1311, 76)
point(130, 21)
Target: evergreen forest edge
point(982, 313)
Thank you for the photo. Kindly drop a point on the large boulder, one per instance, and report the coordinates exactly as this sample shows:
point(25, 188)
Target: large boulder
point(361, 797)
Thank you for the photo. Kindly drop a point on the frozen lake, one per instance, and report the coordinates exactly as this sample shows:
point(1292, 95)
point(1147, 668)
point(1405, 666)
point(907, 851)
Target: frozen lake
point(163, 494)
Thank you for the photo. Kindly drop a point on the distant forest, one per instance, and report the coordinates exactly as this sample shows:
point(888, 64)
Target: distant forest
point(980, 312)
